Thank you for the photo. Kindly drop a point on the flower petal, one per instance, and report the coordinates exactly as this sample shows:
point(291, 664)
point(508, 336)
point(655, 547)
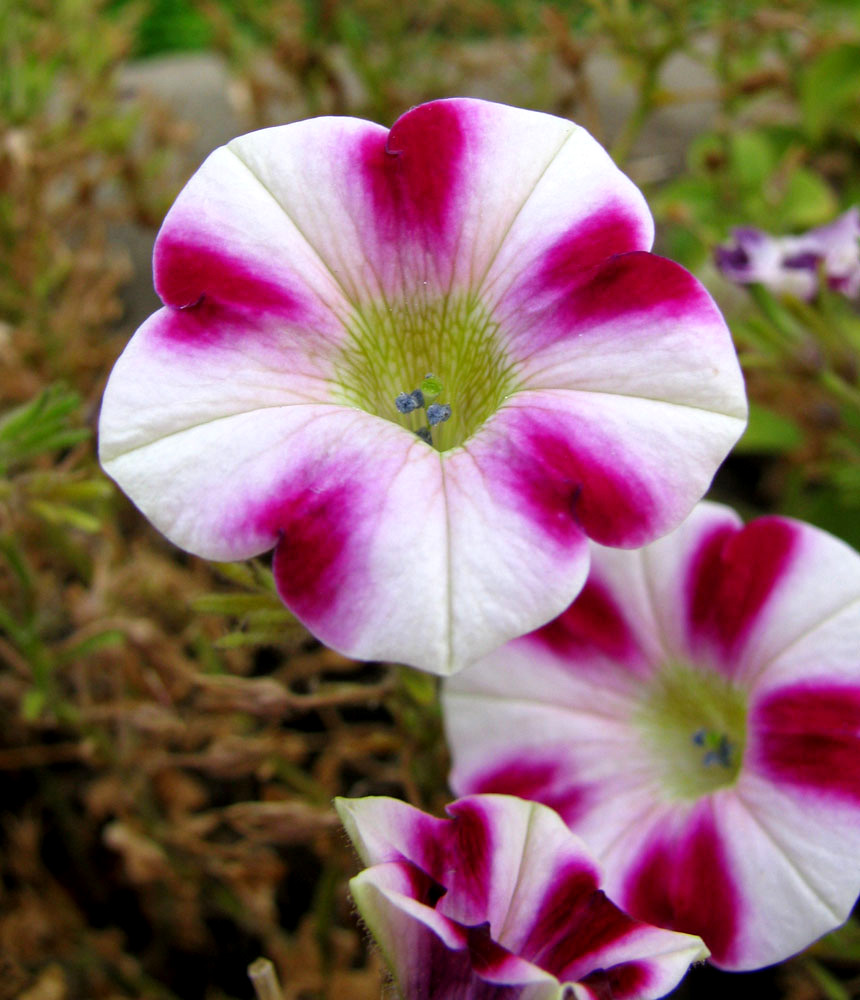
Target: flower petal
point(385, 548)
point(760, 598)
point(226, 241)
point(599, 462)
point(680, 875)
point(527, 721)
point(431, 957)
point(636, 324)
point(757, 872)
point(507, 573)
point(808, 737)
point(383, 829)
point(434, 199)
point(513, 886)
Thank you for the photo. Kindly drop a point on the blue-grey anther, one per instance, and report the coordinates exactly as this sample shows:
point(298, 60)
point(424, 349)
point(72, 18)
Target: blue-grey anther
point(406, 402)
point(718, 748)
point(438, 413)
point(424, 434)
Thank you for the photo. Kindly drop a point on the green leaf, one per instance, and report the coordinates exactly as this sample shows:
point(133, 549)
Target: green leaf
point(808, 201)
point(32, 704)
point(753, 159)
point(42, 425)
point(108, 639)
point(256, 637)
point(70, 517)
point(419, 686)
point(769, 433)
point(238, 572)
point(829, 88)
point(232, 604)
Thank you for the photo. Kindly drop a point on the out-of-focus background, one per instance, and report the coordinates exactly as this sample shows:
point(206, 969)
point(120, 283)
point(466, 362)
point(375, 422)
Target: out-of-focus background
point(170, 738)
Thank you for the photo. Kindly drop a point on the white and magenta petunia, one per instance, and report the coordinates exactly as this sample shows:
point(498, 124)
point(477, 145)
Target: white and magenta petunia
point(695, 717)
point(793, 265)
point(500, 902)
point(315, 274)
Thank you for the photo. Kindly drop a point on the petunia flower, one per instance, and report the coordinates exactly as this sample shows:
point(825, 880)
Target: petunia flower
point(500, 902)
point(695, 717)
point(424, 365)
point(792, 265)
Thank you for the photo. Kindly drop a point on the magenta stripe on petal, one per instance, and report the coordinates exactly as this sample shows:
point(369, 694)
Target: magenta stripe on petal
point(412, 174)
point(188, 273)
point(625, 295)
point(567, 488)
point(316, 548)
point(684, 884)
point(621, 982)
point(614, 229)
point(594, 623)
point(634, 283)
point(575, 922)
point(543, 781)
point(809, 735)
point(592, 928)
point(732, 575)
point(470, 851)
point(488, 957)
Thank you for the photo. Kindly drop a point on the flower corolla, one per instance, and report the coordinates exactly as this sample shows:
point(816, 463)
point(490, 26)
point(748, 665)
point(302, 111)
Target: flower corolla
point(500, 902)
point(424, 365)
point(695, 717)
point(792, 265)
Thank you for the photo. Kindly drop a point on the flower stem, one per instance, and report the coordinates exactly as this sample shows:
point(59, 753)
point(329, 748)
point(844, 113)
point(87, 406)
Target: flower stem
point(265, 980)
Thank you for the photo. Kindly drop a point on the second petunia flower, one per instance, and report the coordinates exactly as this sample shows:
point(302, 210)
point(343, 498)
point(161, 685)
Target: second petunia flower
point(695, 717)
point(426, 365)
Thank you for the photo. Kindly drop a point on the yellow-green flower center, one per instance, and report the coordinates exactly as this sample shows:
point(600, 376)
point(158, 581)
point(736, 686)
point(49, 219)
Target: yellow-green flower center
point(392, 347)
point(693, 726)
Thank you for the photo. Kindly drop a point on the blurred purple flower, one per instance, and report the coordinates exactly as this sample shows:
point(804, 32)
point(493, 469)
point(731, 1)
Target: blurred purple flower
point(791, 265)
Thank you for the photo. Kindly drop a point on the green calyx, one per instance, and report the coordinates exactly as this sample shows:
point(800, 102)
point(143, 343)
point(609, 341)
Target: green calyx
point(693, 724)
point(448, 348)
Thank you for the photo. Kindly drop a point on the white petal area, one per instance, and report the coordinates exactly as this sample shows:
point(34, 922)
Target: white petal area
point(525, 721)
point(662, 572)
point(356, 502)
point(640, 325)
point(314, 174)
point(810, 628)
point(793, 856)
point(579, 206)
point(226, 227)
point(383, 829)
point(185, 368)
point(505, 577)
point(206, 444)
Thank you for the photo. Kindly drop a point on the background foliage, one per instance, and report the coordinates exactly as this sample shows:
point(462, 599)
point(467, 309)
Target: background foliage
point(170, 738)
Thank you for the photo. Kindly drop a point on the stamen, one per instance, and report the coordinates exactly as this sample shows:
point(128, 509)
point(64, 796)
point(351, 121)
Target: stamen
point(424, 434)
point(406, 402)
point(718, 747)
point(438, 413)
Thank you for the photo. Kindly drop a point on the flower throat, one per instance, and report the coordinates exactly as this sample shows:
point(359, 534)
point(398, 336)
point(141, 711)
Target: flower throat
point(693, 723)
point(447, 352)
